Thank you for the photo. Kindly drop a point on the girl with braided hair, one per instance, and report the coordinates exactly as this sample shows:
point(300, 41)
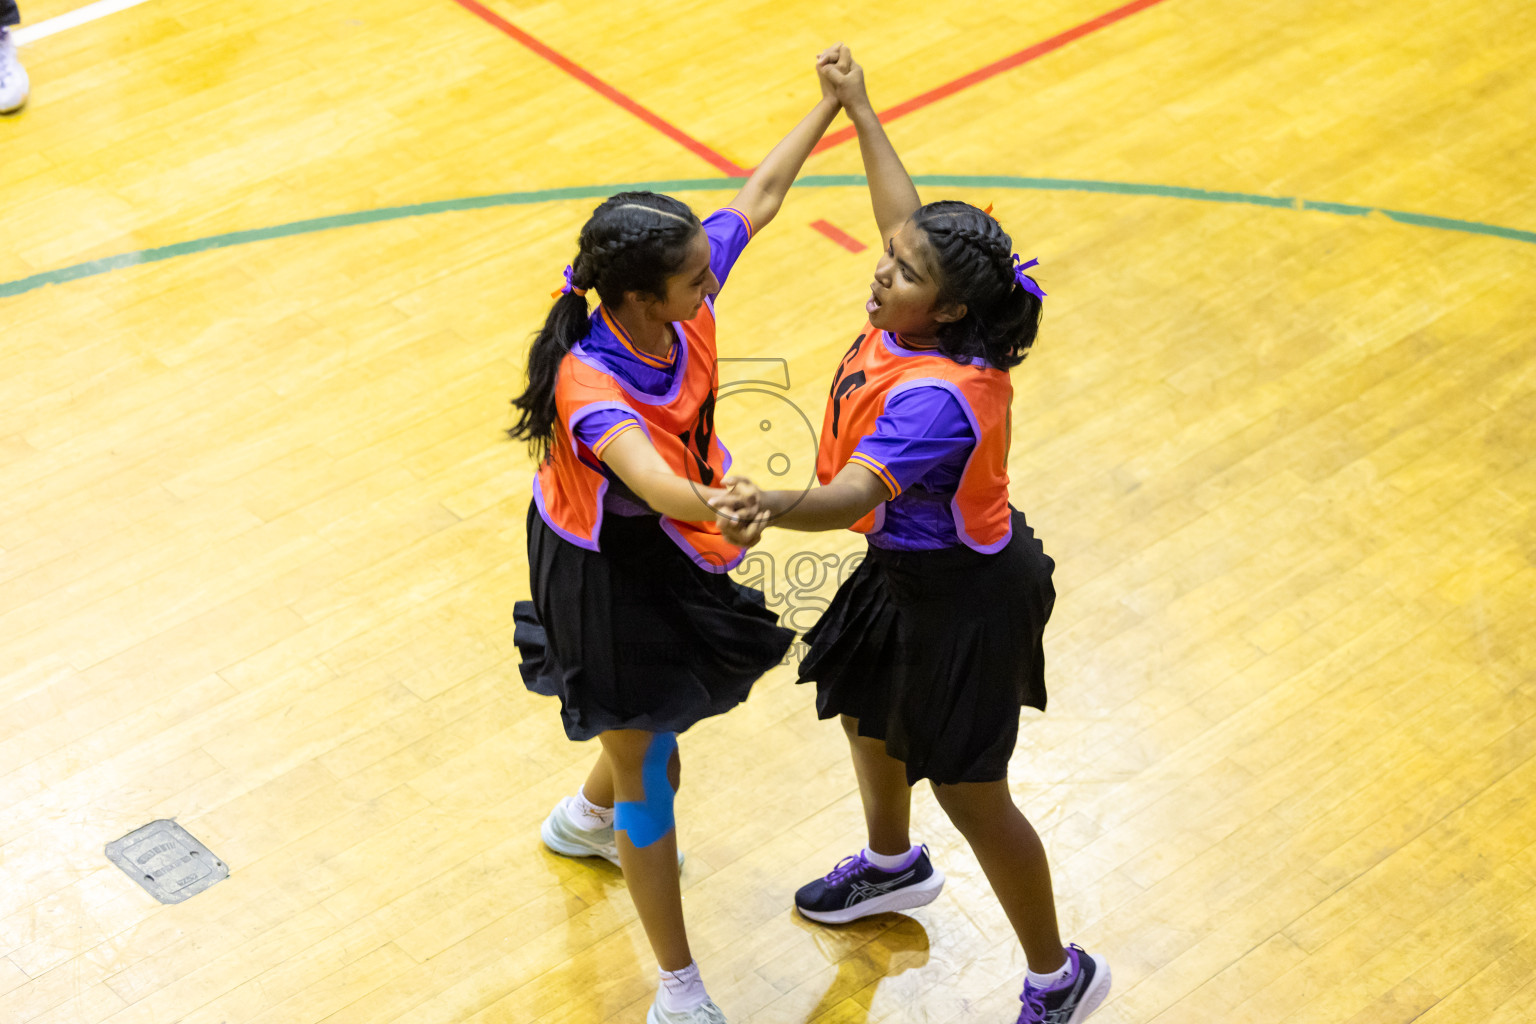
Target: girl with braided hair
point(932, 646)
point(634, 624)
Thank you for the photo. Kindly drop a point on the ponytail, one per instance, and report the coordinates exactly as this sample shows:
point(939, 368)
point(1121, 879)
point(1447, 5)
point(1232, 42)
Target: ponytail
point(563, 328)
point(1007, 331)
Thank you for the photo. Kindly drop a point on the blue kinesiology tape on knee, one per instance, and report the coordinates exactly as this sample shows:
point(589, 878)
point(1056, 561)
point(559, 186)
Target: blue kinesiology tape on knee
point(646, 821)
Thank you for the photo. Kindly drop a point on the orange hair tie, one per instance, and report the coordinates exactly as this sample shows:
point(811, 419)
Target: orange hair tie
point(988, 210)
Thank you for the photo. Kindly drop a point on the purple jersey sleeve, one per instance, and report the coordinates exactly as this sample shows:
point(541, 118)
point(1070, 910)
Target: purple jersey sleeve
point(597, 429)
point(923, 436)
point(729, 231)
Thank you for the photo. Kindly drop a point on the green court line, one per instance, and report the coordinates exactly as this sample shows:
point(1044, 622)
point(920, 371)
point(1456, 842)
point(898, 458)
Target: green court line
point(93, 268)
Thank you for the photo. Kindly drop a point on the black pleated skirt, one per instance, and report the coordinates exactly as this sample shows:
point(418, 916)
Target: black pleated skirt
point(636, 636)
point(935, 652)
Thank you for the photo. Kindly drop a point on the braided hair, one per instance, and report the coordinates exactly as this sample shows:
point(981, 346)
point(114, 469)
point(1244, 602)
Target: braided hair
point(633, 242)
point(973, 262)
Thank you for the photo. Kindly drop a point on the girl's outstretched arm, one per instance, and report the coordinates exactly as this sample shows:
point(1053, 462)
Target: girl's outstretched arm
point(744, 511)
point(764, 192)
point(645, 472)
point(890, 186)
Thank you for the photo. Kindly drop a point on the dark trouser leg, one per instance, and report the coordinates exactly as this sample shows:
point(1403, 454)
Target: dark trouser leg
point(9, 15)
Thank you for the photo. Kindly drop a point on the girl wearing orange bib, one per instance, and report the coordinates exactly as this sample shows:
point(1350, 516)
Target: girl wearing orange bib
point(634, 624)
point(931, 648)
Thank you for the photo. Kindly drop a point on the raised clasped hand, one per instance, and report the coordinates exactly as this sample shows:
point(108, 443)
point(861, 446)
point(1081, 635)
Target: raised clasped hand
point(839, 74)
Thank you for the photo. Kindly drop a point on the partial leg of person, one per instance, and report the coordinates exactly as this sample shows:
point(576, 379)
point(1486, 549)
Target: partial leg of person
point(890, 873)
point(14, 85)
point(884, 791)
point(1013, 858)
point(582, 825)
point(1068, 984)
point(598, 789)
point(646, 772)
point(647, 836)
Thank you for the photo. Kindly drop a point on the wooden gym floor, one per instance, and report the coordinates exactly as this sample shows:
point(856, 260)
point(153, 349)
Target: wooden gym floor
point(260, 534)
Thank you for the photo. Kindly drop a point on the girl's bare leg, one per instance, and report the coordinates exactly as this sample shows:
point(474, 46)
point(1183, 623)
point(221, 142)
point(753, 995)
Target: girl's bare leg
point(884, 790)
point(650, 871)
point(599, 785)
point(1013, 858)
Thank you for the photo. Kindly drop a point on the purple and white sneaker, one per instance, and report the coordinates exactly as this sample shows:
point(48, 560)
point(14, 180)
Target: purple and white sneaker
point(1074, 997)
point(856, 888)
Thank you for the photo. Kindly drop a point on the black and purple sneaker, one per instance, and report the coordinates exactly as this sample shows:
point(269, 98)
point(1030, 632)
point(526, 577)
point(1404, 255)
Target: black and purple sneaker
point(856, 888)
point(1074, 997)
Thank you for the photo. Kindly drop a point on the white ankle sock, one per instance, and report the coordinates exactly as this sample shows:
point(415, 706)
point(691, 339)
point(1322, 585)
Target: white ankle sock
point(1053, 979)
point(888, 863)
point(587, 815)
point(681, 990)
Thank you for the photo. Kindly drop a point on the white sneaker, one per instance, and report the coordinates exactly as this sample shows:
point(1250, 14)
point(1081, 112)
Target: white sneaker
point(562, 836)
point(709, 1013)
point(14, 84)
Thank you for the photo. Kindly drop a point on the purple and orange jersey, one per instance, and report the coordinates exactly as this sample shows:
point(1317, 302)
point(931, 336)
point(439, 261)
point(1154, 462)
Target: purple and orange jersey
point(944, 463)
point(607, 386)
point(919, 448)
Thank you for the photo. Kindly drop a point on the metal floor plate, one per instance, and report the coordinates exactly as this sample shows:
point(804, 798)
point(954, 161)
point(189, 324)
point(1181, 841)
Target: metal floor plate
point(167, 861)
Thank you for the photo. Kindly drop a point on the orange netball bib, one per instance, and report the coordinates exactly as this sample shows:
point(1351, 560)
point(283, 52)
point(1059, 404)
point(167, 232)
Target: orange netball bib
point(569, 488)
point(876, 368)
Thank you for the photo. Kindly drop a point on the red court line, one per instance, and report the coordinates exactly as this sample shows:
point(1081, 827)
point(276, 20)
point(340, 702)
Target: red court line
point(580, 73)
point(1024, 56)
point(839, 236)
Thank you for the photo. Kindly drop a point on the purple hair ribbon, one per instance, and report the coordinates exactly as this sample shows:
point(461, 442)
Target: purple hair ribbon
point(568, 287)
point(1023, 279)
